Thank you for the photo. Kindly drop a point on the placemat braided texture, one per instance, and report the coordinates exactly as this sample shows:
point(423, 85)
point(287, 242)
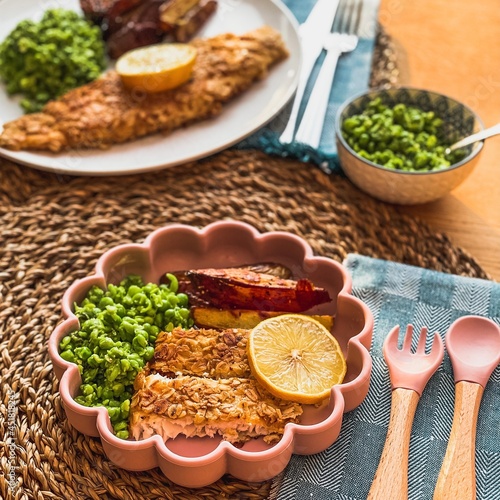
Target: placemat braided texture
point(55, 228)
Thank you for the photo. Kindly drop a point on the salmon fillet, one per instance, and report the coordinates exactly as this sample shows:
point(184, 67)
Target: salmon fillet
point(237, 409)
point(204, 353)
point(199, 383)
point(104, 112)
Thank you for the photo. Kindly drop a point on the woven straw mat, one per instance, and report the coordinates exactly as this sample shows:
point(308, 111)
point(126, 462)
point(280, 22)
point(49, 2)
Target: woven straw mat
point(54, 229)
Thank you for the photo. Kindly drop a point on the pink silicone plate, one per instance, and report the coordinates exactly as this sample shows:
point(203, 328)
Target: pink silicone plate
point(197, 462)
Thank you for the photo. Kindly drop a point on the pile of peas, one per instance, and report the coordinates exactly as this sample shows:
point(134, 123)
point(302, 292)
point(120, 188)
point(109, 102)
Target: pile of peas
point(118, 330)
point(43, 60)
point(400, 137)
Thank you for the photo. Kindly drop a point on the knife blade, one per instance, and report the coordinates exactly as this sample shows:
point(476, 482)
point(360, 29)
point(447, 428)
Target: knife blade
point(312, 34)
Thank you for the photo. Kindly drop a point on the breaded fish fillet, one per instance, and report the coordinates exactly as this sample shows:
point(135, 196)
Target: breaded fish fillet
point(236, 409)
point(204, 353)
point(104, 112)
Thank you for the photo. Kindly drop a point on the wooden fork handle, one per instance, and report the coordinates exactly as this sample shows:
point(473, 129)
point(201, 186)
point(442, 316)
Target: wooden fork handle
point(457, 478)
point(391, 478)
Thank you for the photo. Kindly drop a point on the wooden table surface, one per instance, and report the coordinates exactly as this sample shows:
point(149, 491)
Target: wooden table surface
point(454, 48)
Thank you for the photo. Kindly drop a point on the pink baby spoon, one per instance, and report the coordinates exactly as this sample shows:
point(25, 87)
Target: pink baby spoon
point(473, 344)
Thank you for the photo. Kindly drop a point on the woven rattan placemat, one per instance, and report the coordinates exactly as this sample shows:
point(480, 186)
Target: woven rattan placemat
point(54, 229)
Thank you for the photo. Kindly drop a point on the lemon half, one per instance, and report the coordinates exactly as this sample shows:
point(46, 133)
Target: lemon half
point(156, 68)
point(296, 358)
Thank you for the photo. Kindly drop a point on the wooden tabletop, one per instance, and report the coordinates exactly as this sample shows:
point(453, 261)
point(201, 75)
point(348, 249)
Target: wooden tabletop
point(453, 48)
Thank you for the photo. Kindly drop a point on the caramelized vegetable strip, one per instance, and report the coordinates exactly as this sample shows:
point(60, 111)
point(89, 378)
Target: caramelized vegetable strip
point(193, 20)
point(237, 288)
point(207, 317)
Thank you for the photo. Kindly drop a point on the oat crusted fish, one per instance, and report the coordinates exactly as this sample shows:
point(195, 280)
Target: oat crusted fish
point(199, 383)
point(103, 112)
point(236, 409)
point(204, 353)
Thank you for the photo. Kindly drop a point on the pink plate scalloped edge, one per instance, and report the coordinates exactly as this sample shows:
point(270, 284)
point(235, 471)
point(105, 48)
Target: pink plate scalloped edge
point(197, 462)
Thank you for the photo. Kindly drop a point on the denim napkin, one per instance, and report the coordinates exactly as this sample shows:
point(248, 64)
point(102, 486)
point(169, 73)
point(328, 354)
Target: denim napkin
point(402, 294)
point(352, 76)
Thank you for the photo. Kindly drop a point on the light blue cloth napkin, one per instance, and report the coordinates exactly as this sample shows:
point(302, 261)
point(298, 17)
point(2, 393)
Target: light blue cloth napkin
point(352, 77)
point(402, 294)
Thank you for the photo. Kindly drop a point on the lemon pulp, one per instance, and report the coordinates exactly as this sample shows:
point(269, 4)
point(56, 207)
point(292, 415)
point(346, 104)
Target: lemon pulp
point(296, 358)
point(157, 68)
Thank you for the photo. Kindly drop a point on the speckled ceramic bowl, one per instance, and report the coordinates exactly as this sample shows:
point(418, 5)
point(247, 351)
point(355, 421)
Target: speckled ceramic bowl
point(197, 462)
point(410, 188)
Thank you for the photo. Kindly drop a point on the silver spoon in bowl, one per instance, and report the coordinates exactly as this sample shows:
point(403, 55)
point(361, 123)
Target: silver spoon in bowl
point(471, 139)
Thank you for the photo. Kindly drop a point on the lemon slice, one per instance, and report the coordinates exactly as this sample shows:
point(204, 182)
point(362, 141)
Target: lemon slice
point(157, 67)
point(295, 358)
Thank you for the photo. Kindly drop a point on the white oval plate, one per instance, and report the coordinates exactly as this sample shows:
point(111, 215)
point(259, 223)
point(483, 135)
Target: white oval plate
point(239, 118)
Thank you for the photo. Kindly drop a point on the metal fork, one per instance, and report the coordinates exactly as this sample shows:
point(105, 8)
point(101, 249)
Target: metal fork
point(409, 373)
point(344, 38)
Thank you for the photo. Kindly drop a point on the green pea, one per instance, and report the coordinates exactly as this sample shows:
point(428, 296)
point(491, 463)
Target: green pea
point(118, 389)
point(105, 301)
point(89, 374)
point(94, 360)
point(149, 353)
point(120, 426)
point(183, 300)
point(125, 365)
point(106, 343)
point(113, 373)
point(114, 413)
point(134, 290)
point(68, 356)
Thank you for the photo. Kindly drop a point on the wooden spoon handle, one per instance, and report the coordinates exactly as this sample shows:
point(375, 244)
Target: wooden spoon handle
point(391, 478)
point(457, 478)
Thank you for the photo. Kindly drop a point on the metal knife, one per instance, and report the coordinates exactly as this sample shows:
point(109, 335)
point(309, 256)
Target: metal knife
point(312, 35)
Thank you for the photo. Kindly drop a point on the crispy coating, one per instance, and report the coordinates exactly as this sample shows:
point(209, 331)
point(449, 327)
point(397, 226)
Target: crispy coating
point(104, 112)
point(204, 353)
point(236, 409)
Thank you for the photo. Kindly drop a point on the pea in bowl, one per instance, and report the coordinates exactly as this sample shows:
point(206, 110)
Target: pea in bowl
point(415, 171)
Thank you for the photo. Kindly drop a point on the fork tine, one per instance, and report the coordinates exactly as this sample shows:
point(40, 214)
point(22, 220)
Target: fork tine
point(421, 341)
point(408, 338)
point(391, 342)
point(338, 22)
point(437, 344)
point(346, 17)
point(355, 31)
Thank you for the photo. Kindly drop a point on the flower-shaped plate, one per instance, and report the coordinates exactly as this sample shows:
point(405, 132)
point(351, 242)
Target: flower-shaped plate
point(197, 462)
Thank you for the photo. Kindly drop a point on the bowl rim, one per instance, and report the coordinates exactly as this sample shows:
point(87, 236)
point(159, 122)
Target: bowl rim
point(338, 132)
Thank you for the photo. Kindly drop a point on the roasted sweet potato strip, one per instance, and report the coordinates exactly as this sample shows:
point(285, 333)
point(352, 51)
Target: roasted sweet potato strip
point(237, 288)
point(209, 317)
